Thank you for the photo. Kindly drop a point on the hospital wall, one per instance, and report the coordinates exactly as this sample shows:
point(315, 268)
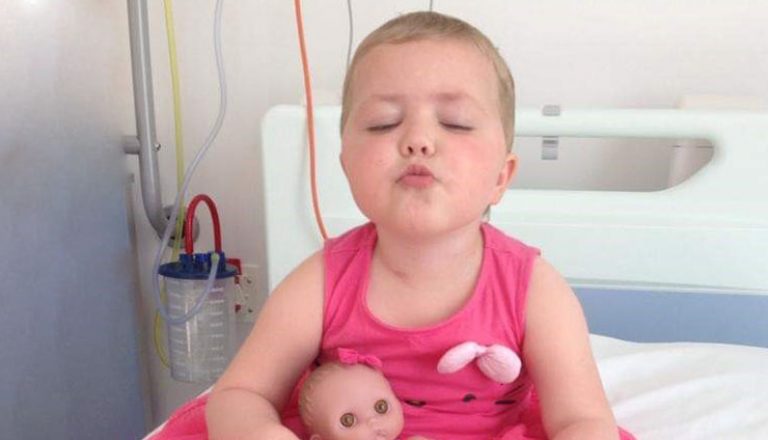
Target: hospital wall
point(607, 54)
point(70, 357)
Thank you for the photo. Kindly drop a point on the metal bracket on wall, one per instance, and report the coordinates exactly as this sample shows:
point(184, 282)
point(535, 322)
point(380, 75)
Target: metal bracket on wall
point(549, 144)
point(145, 144)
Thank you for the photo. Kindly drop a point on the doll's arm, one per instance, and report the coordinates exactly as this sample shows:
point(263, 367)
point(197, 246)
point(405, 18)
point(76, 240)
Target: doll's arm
point(246, 400)
point(557, 353)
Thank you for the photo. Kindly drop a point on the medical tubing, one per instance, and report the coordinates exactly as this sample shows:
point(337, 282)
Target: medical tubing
point(173, 60)
point(177, 120)
point(310, 120)
point(189, 242)
point(179, 140)
point(190, 250)
point(351, 32)
point(191, 169)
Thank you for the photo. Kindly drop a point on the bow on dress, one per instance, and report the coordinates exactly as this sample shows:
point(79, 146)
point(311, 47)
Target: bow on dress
point(497, 362)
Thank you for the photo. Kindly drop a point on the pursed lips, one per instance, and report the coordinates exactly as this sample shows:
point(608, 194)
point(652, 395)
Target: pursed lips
point(417, 176)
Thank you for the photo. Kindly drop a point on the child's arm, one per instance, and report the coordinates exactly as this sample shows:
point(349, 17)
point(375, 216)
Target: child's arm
point(557, 353)
point(246, 400)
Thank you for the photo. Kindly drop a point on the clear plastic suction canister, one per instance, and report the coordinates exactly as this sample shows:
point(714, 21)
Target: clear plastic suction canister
point(201, 347)
point(200, 312)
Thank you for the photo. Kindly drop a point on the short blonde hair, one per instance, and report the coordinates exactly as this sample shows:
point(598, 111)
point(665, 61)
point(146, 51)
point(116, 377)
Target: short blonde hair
point(424, 25)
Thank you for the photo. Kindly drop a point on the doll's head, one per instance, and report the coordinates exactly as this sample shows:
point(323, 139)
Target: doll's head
point(349, 402)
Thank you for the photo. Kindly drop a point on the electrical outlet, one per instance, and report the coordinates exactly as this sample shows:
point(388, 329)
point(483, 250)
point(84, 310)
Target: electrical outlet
point(252, 294)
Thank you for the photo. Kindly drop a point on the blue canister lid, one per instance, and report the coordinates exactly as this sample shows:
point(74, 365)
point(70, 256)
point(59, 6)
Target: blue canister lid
point(197, 267)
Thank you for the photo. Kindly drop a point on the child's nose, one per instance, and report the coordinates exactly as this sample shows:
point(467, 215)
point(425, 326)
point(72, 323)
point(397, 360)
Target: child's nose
point(418, 136)
point(417, 146)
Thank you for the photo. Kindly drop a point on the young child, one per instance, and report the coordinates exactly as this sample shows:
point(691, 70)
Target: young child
point(427, 129)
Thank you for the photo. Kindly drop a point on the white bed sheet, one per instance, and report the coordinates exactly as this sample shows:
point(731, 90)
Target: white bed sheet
point(664, 391)
point(684, 391)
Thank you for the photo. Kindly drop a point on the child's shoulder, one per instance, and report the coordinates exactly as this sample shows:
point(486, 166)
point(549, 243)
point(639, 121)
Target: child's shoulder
point(500, 241)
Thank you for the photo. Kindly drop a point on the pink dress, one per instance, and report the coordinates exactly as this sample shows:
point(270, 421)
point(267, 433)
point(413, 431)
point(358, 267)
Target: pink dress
point(459, 406)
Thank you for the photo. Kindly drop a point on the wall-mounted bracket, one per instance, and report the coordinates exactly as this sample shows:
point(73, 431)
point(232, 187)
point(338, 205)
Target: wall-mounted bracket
point(549, 144)
point(145, 143)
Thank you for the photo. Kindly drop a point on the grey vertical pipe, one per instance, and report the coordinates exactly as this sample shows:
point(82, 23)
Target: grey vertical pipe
point(145, 115)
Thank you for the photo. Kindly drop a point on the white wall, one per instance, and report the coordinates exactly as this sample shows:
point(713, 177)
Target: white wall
point(70, 364)
point(603, 53)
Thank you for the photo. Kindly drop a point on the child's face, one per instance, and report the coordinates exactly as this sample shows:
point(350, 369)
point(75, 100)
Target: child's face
point(355, 403)
point(423, 146)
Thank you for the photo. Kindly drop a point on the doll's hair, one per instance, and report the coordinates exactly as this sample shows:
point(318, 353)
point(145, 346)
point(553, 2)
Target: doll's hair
point(424, 25)
point(306, 404)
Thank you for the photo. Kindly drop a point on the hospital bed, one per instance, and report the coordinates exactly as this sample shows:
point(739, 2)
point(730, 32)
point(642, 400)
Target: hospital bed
point(674, 283)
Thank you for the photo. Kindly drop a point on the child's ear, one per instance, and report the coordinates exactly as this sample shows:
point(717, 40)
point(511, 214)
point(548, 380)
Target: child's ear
point(315, 437)
point(506, 174)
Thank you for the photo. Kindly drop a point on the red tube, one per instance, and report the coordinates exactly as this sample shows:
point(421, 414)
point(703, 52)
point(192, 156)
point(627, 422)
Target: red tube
point(189, 245)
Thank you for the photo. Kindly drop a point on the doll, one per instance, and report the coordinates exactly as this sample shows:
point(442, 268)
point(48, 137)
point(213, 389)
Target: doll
point(350, 399)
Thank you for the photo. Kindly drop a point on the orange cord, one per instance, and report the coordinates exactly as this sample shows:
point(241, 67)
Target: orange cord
point(310, 120)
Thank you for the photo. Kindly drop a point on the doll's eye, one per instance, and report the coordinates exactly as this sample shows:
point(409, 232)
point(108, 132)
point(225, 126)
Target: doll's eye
point(348, 420)
point(381, 406)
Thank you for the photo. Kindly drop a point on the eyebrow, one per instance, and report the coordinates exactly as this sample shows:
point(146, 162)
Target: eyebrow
point(453, 96)
point(440, 97)
point(386, 97)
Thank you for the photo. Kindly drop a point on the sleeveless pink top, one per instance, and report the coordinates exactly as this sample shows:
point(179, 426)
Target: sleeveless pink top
point(459, 406)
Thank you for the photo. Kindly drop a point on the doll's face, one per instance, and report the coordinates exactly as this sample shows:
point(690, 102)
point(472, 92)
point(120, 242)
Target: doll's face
point(354, 403)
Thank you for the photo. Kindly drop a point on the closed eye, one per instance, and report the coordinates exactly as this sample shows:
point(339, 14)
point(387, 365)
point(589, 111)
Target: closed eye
point(456, 127)
point(382, 127)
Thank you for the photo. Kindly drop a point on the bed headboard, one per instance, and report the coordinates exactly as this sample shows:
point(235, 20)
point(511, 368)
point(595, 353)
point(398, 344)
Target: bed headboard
point(708, 234)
